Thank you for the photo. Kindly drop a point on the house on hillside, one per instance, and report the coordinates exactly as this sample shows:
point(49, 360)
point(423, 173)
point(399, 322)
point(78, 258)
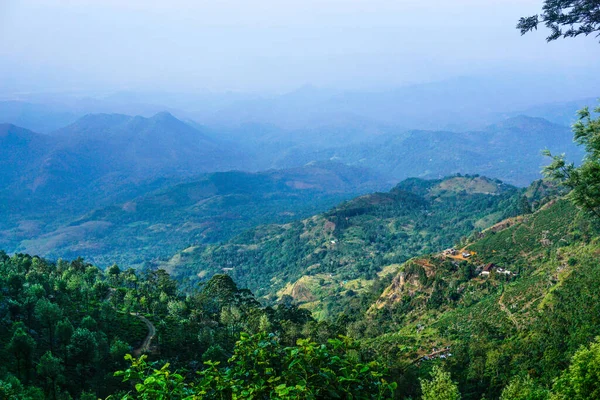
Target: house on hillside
point(487, 269)
point(450, 252)
point(466, 254)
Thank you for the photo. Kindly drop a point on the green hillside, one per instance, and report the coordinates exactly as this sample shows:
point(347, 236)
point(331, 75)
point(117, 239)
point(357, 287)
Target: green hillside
point(529, 322)
point(66, 326)
point(207, 209)
point(324, 260)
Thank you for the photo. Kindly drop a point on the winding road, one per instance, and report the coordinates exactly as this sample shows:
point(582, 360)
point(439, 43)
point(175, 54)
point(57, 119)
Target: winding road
point(145, 347)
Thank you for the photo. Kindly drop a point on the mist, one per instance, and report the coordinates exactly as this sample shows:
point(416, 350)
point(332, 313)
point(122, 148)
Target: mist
point(268, 46)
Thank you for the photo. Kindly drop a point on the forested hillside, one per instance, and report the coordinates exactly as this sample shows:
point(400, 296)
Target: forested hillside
point(525, 317)
point(324, 260)
point(66, 326)
point(65, 329)
point(204, 209)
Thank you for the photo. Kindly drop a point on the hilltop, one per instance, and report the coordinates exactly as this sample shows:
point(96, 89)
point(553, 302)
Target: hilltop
point(104, 153)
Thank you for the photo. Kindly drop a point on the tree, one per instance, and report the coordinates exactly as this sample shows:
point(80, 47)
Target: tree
point(83, 351)
point(524, 206)
point(12, 388)
point(582, 379)
point(51, 369)
point(565, 18)
point(22, 346)
point(48, 314)
point(440, 386)
point(63, 332)
point(521, 388)
point(113, 273)
point(584, 181)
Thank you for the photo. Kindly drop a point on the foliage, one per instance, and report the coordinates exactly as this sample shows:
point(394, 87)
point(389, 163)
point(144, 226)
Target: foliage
point(583, 181)
point(524, 388)
point(329, 258)
point(581, 381)
point(565, 18)
point(440, 387)
point(261, 368)
point(204, 209)
point(65, 326)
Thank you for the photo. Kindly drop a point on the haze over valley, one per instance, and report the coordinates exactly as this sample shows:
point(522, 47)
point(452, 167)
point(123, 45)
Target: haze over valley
point(318, 199)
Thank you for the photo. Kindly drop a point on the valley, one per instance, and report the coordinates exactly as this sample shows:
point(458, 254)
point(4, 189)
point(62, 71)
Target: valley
point(363, 200)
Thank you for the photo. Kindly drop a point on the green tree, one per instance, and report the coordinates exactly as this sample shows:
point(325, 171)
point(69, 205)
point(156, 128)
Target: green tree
point(48, 314)
point(565, 18)
point(524, 206)
point(114, 273)
point(63, 332)
point(22, 346)
point(83, 352)
point(583, 181)
point(581, 381)
point(439, 387)
point(50, 368)
point(11, 388)
point(521, 388)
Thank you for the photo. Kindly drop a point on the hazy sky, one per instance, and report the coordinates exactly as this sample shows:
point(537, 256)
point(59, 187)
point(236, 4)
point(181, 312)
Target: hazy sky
point(271, 45)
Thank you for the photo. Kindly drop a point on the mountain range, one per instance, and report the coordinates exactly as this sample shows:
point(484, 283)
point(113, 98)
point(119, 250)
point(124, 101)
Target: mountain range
point(509, 150)
point(108, 148)
point(108, 178)
point(205, 209)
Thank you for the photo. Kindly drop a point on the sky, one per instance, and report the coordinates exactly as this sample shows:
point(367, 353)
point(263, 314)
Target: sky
point(272, 45)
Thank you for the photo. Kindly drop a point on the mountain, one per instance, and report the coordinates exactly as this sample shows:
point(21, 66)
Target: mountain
point(100, 160)
point(21, 149)
point(521, 303)
point(112, 150)
point(202, 210)
point(509, 150)
point(561, 113)
point(145, 146)
point(347, 247)
point(47, 112)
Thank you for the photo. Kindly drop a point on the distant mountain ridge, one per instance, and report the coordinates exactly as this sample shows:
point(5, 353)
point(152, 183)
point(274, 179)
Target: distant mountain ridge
point(509, 150)
point(102, 145)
